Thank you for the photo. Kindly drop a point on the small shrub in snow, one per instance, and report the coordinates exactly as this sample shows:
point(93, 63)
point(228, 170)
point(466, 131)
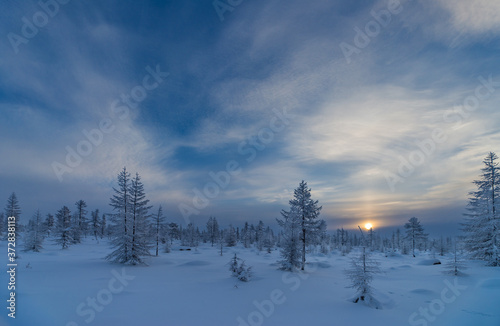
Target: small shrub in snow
point(233, 265)
point(361, 274)
point(244, 272)
point(456, 265)
point(239, 270)
point(167, 249)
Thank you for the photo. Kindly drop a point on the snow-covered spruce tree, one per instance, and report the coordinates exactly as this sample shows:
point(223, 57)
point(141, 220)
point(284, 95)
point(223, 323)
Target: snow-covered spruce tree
point(212, 230)
point(49, 224)
point(230, 236)
point(64, 232)
point(80, 222)
point(482, 222)
point(442, 246)
point(308, 212)
point(268, 242)
point(245, 235)
point(34, 240)
point(103, 226)
point(244, 272)
point(370, 239)
point(361, 274)
point(233, 265)
point(173, 232)
point(239, 270)
point(259, 236)
point(414, 233)
point(190, 236)
point(76, 233)
point(252, 233)
point(343, 241)
point(12, 208)
point(95, 224)
point(221, 241)
point(159, 227)
point(291, 225)
point(139, 210)
point(121, 238)
point(456, 265)
point(322, 238)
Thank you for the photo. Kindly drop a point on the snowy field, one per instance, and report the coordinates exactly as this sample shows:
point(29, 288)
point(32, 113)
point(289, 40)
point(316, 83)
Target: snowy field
point(185, 288)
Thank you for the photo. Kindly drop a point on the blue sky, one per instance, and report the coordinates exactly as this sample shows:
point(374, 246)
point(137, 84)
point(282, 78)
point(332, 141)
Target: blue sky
point(279, 70)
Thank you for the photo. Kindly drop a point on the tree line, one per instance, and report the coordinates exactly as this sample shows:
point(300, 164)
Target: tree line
point(134, 231)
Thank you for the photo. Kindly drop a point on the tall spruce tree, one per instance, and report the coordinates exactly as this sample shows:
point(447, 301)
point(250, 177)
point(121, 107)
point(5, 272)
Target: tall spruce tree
point(212, 230)
point(291, 225)
point(95, 223)
point(64, 231)
point(245, 235)
point(130, 233)
point(230, 236)
point(121, 238)
point(103, 226)
point(308, 211)
point(414, 233)
point(160, 229)
point(49, 224)
point(80, 222)
point(34, 240)
point(482, 222)
point(190, 236)
point(139, 209)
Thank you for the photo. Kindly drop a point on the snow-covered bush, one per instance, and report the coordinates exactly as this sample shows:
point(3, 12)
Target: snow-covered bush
point(239, 270)
point(361, 274)
point(456, 265)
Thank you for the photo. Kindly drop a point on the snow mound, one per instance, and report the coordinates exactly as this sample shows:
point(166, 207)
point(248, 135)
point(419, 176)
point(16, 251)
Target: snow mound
point(195, 263)
point(319, 254)
point(320, 264)
point(423, 292)
point(384, 300)
point(394, 255)
point(377, 300)
point(400, 267)
point(429, 262)
point(492, 283)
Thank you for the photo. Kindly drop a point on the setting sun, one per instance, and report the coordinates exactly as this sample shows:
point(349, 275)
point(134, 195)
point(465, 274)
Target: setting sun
point(368, 226)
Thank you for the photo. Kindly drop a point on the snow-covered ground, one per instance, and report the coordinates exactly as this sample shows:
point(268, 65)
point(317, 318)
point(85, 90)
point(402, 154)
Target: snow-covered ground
point(186, 288)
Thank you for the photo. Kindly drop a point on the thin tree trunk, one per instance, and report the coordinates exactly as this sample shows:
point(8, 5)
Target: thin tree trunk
point(303, 247)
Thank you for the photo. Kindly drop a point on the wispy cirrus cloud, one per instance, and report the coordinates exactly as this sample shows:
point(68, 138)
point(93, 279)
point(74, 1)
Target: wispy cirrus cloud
point(474, 17)
point(352, 122)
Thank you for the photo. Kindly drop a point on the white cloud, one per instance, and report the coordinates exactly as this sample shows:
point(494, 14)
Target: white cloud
point(474, 16)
